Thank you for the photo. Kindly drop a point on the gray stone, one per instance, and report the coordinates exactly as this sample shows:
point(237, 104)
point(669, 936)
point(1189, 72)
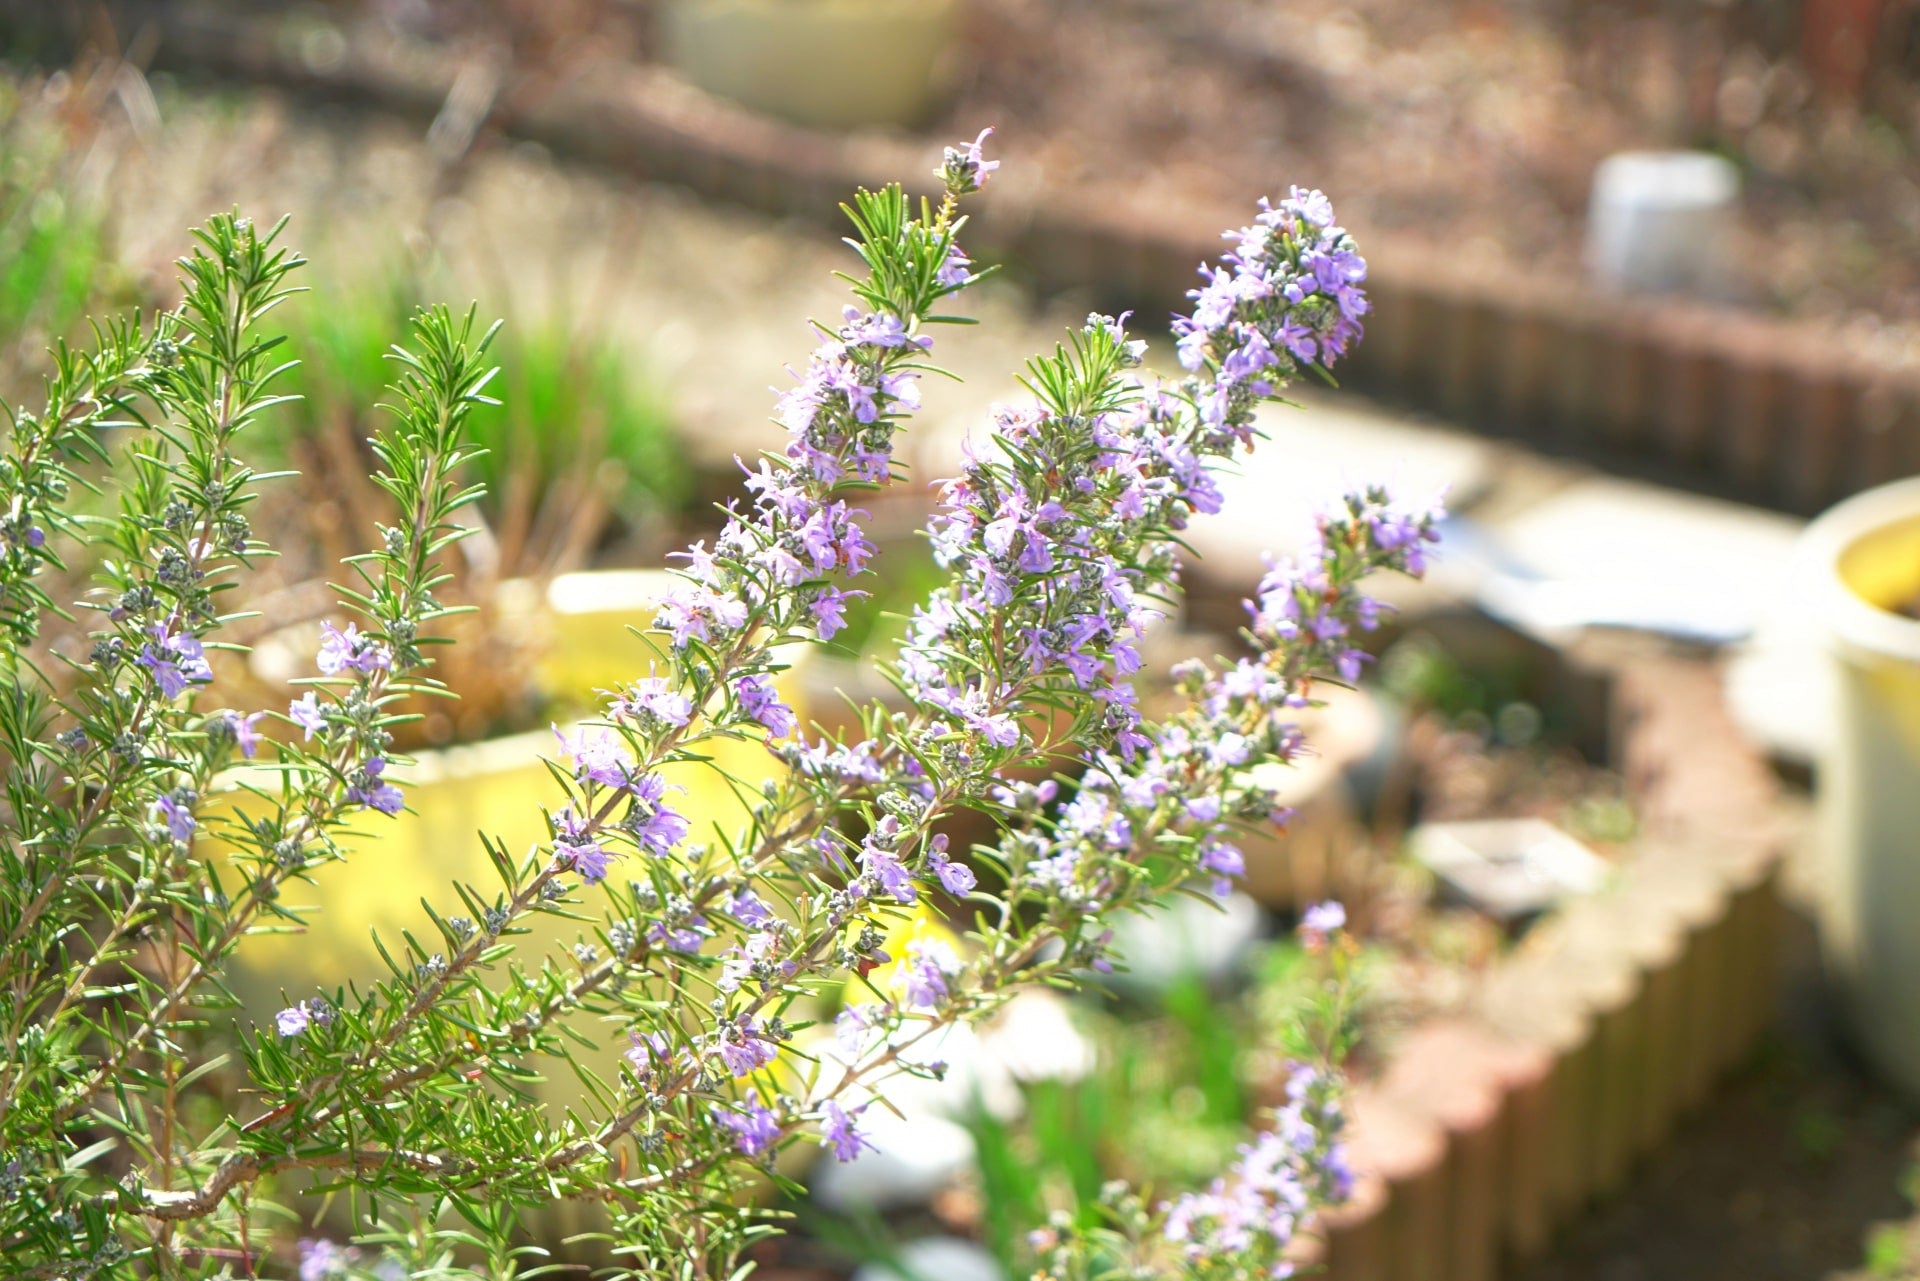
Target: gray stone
point(1033, 1038)
point(934, 1259)
point(969, 1074)
point(1615, 553)
point(1784, 693)
point(1186, 937)
point(1509, 868)
point(1314, 455)
point(912, 1158)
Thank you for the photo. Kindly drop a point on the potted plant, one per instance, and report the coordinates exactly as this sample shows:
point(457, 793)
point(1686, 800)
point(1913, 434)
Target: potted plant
point(832, 64)
point(1861, 565)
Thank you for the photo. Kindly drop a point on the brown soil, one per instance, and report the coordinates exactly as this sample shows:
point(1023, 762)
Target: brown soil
point(1470, 126)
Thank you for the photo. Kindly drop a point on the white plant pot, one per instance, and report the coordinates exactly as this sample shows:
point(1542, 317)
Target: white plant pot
point(1860, 561)
point(833, 64)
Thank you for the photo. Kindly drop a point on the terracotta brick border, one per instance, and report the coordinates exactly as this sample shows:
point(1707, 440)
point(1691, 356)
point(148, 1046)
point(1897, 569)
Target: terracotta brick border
point(1487, 1131)
point(1777, 412)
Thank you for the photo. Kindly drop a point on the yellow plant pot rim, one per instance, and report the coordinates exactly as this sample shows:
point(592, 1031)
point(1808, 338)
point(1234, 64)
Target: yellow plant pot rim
point(1861, 560)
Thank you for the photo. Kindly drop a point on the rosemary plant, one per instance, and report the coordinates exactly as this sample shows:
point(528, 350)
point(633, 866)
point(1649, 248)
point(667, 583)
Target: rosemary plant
point(149, 1126)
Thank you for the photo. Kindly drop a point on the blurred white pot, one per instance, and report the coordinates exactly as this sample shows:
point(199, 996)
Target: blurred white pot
point(1859, 563)
point(1660, 222)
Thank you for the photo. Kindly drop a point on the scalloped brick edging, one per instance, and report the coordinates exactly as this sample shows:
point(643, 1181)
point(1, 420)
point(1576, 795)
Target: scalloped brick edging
point(1487, 1131)
point(1768, 410)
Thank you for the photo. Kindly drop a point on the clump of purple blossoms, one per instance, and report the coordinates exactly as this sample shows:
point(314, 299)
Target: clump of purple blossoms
point(1303, 606)
point(777, 561)
point(176, 660)
point(1284, 300)
point(1320, 922)
point(1256, 1208)
point(1050, 542)
point(297, 1018)
point(174, 812)
point(1295, 1168)
point(838, 1131)
point(1192, 776)
point(342, 651)
point(368, 788)
point(755, 1127)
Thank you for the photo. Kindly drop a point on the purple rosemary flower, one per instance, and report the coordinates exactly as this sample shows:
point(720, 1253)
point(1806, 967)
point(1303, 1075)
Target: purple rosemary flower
point(755, 958)
point(744, 1046)
point(890, 873)
point(293, 1020)
point(685, 938)
point(759, 700)
point(881, 329)
point(853, 1027)
point(1320, 921)
point(956, 878)
point(745, 907)
point(694, 611)
point(321, 1260)
point(1224, 861)
point(348, 650)
point(653, 701)
point(755, 1128)
point(963, 169)
point(837, 1129)
point(370, 790)
point(307, 713)
point(585, 856)
point(930, 963)
point(177, 662)
point(244, 730)
point(829, 608)
point(599, 758)
point(657, 827)
point(954, 273)
point(175, 811)
point(647, 1052)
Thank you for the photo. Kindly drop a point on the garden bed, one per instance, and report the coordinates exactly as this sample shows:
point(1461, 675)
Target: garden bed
point(1733, 402)
point(1489, 1129)
point(1507, 1080)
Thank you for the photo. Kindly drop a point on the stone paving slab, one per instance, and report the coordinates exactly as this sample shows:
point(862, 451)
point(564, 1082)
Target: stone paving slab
point(1618, 553)
point(1315, 453)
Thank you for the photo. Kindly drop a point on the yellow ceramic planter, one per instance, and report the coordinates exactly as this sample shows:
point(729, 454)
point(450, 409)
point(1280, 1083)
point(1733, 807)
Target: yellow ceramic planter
point(1861, 563)
point(833, 64)
point(500, 788)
